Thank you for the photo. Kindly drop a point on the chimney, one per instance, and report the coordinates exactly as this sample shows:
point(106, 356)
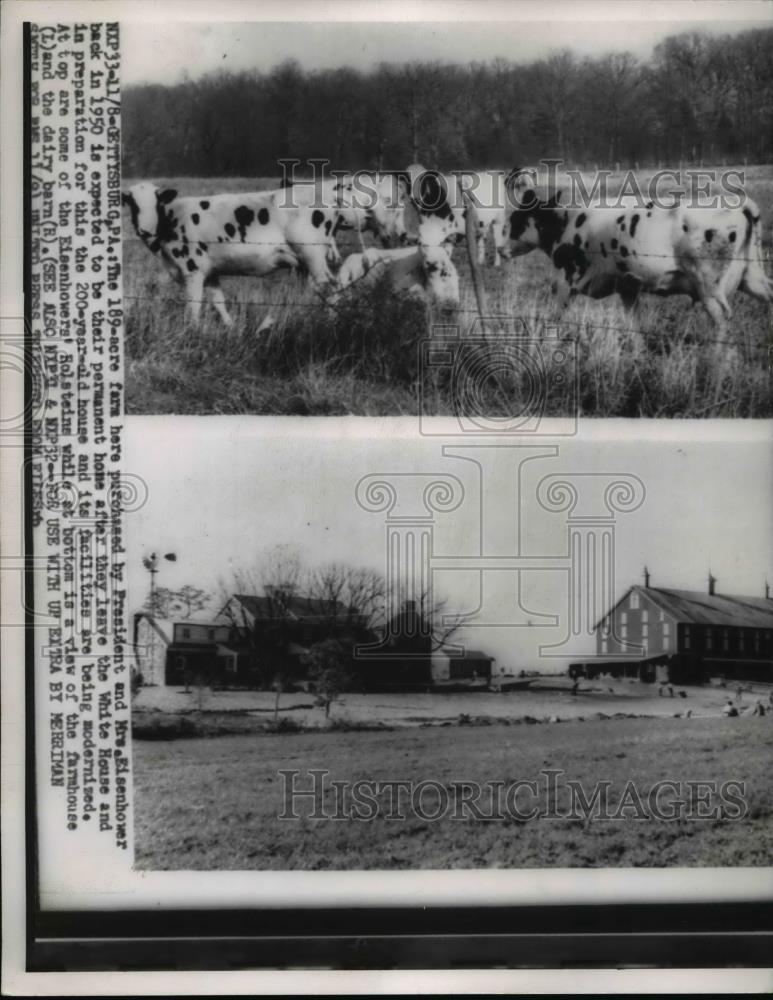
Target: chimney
point(767, 591)
point(712, 583)
point(646, 578)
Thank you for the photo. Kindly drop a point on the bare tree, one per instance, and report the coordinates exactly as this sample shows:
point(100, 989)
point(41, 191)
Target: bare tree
point(263, 627)
point(346, 595)
point(189, 600)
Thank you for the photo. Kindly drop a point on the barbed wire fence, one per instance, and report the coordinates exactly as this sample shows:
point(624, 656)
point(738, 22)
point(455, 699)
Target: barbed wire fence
point(481, 310)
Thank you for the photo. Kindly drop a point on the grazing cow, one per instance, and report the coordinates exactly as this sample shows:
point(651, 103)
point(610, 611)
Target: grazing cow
point(198, 239)
point(706, 253)
point(424, 269)
point(494, 193)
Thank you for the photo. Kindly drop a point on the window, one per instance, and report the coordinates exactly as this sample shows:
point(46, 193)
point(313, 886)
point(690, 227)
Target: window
point(645, 630)
point(709, 639)
point(740, 640)
point(603, 647)
point(756, 640)
point(186, 633)
point(687, 637)
point(634, 602)
point(645, 615)
point(666, 640)
point(666, 629)
point(662, 616)
point(623, 631)
point(725, 639)
point(624, 617)
point(210, 633)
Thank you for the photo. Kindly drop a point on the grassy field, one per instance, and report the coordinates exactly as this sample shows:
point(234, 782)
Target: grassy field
point(212, 804)
point(364, 356)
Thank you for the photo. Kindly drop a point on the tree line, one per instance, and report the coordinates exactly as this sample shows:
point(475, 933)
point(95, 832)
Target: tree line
point(699, 100)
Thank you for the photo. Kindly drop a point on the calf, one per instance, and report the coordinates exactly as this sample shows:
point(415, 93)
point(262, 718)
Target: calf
point(424, 269)
point(493, 192)
point(706, 253)
point(198, 239)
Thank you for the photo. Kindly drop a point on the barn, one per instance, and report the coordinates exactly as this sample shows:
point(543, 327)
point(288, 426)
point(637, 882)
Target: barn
point(684, 636)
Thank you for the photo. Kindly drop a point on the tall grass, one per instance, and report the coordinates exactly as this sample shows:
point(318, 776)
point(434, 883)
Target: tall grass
point(363, 356)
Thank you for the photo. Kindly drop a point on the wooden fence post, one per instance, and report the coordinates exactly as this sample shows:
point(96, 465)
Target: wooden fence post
point(471, 231)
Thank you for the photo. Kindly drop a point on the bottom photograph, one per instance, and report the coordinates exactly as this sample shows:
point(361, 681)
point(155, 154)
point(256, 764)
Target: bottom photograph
point(357, 647)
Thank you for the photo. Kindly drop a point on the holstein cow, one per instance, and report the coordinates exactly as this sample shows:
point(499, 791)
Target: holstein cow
point(366, 202)
point(494, 193)
point(424, 269)
point(379, 201)
point(199, 239)
point(706, 253)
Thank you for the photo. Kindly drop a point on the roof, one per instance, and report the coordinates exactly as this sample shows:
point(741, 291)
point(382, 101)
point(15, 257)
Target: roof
point(695, 607)
point(296, 607)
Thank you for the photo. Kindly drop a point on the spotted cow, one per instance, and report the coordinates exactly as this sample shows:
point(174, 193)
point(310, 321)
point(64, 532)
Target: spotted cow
point(494, 193)
point(367, 202)
point(706, 253)
point(199, 239)
point(425, 269)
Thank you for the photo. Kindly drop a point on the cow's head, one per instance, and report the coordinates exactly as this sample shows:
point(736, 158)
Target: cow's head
point(434, 231)
point(146, 202)
point(536, 224)
point(433, 199)
point(440, 276)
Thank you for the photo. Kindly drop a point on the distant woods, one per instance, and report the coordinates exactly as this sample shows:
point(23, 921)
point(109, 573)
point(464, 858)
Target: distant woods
point(700, 99)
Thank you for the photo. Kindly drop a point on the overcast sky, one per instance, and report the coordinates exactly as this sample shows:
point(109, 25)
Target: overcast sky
point(162, 52)
point(222, 491)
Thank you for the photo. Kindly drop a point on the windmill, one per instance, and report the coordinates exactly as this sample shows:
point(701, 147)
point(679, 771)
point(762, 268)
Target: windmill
point(151, 565)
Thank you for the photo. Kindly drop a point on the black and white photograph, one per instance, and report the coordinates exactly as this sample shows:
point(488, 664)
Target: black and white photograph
point(387, 462)
point(471, 658)
point(306, 203)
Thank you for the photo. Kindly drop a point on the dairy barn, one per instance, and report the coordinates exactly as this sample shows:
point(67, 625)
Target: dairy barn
point(684, 636)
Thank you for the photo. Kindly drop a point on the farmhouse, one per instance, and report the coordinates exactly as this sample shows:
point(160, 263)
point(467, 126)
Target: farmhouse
point(167, 652)
point(684, 636)
point(273, 632)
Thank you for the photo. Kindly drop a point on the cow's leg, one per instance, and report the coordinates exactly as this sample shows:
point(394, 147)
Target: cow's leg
point(481, 238)
point(500, 242)
point(333, 253)
point(218, 301)
point(629, 289)
point(715, 311)
point(194, 294)
point(563, 291)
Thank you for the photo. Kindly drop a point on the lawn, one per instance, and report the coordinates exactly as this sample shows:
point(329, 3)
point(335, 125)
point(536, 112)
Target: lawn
point(214, 803)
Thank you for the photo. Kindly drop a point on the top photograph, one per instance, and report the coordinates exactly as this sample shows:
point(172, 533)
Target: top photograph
point(486, 222)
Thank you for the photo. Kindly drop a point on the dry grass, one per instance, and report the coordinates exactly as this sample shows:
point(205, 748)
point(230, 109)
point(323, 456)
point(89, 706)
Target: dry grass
point(213, 804)
point(364, 357)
